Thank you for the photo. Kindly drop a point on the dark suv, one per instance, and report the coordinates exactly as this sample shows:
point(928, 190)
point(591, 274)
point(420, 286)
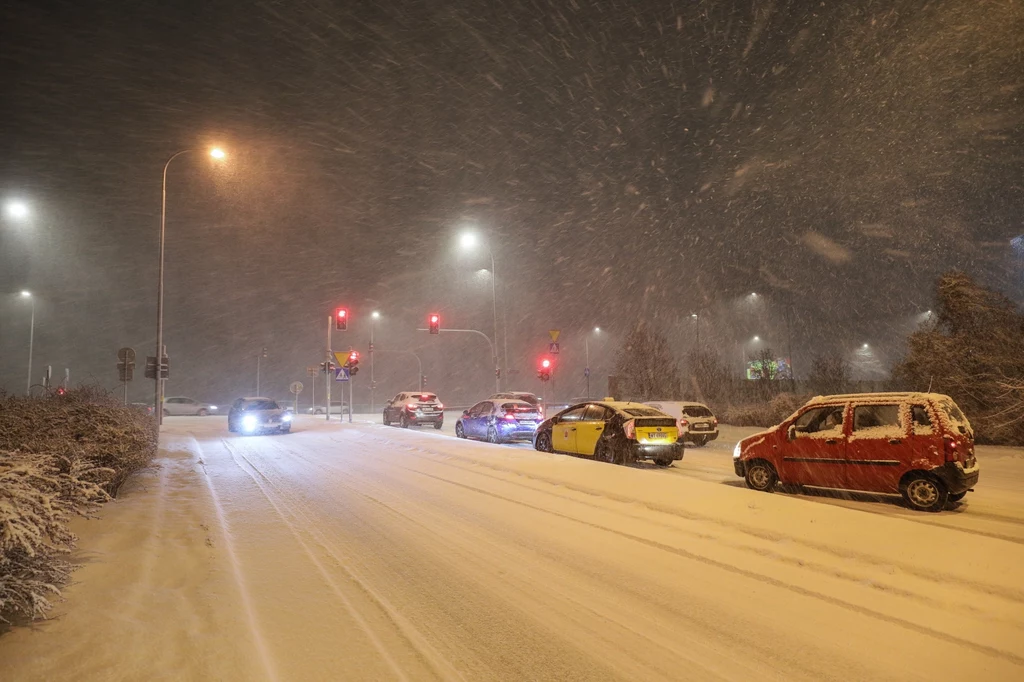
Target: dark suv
point(414, 408)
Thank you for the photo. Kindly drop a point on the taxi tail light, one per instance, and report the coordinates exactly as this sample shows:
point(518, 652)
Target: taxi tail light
point(950, 448)
point(629, 428)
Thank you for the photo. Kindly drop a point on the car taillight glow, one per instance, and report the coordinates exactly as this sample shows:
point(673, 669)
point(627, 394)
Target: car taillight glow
point(714, 421)
point(949, 447)
point(440, 406)
point(629, 428)
point(411, 406)
point(510, 416)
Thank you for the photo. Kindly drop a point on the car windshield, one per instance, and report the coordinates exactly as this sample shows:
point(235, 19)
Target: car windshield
point(643, 412)
point(259, 405)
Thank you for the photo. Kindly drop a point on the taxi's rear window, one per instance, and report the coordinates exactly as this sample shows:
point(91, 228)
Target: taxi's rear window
point(643, 412)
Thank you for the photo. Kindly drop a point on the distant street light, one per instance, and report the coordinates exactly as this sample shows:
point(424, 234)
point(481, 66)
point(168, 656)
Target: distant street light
point(216, 153)
point(597, 330)
point(469, 241)
point(18, 210)
point(756, 339)
point(31, 335)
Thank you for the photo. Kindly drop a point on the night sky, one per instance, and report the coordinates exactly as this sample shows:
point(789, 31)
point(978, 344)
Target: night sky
point(624, 160)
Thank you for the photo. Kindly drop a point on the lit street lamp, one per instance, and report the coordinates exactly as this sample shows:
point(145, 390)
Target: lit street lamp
point(158, 411)
point(469, 241)
point(31, 335)
point(18, 210)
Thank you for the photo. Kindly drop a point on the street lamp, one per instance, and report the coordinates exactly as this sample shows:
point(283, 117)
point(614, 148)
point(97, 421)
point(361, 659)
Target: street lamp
point(469, 241)
point(374, 316)
point(31, 335)
point(216, 153)
point(18, 210)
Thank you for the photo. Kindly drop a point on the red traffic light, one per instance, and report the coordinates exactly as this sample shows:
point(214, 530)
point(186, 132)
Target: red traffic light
point(434, 323)
point(545, 368)
point(545, 363)
point(341, 319)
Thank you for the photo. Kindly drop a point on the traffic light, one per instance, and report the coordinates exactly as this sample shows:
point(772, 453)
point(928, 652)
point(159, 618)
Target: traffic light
point(545, 368)
point(434, 321)
point(327, 367)
point(341, 319)
point(353, 363)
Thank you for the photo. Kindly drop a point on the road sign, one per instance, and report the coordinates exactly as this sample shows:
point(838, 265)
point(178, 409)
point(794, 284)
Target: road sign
point(296, 387)
point(553, 333)
point(126, 355)
point(341, 374)
point(312, 371)
point(341, 356)
point(553, 348)
point(586, 372)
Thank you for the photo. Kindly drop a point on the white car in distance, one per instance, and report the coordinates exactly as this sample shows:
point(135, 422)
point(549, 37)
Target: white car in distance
point(179, 406)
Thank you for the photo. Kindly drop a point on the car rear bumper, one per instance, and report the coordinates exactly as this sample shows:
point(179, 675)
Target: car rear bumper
point(956, 480)
point(672, 451)
point(691, 436)
point(518, 432)
point(426, 418)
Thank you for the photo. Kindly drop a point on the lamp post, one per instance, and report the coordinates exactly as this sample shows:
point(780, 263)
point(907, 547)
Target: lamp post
point(469, 241)
point(31, 336)
point(586, 348)
point(158, 411)
point(374, 316)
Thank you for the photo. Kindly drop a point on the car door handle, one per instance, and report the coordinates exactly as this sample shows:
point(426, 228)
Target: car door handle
point(573, 428)
point(894, 441)
point(830, 441)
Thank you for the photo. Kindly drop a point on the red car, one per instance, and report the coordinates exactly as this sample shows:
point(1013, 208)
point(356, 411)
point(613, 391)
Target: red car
point(918, 445)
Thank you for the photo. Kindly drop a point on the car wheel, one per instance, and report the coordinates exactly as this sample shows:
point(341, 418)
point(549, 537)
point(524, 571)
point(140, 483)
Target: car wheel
point(956, 497)
point(460, 432)
point(606, 453)
point(761, 475)
point(438, 425)
point(318, 411)
point(663, 462)
point(202, 413)
point(404, 421)
point(543, 442)
point(384, 419)
point(492, 436)
point(286, 429)
point(924, 493)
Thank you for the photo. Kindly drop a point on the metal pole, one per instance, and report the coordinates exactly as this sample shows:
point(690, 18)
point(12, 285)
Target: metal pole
point(31, 339)
point(327, 371)
point(351, 393)
point(313, 397)
point(494, 308)
point(257, 375)
point(494, 351)
point(373, 384)
point(586, 345)
point(158, 393)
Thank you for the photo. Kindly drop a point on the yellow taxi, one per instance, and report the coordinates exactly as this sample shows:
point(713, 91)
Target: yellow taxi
point(612, 431)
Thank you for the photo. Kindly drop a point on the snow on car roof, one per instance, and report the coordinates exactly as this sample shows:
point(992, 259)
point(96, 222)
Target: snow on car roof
point(878, 397)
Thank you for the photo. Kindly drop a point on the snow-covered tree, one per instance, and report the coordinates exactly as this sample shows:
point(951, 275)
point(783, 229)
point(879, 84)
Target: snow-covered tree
point(646, 368)
point(829, 375)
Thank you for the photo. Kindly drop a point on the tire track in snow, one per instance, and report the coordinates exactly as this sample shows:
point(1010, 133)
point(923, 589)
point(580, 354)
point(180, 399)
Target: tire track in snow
point(417, 642)
point(774, 582)
point(262, 650)
point(932, 575)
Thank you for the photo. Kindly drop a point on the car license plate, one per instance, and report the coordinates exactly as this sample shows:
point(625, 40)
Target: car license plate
point(700, 427)
point(657, 434)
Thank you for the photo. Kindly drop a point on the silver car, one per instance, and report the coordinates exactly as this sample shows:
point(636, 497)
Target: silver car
point(181, 406)
point(697, 424)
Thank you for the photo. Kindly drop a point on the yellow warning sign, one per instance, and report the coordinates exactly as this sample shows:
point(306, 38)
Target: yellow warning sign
point(341, 357)
point(553, 333)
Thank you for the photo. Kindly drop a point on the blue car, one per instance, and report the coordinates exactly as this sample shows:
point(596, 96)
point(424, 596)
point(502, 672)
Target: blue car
point(499, 421)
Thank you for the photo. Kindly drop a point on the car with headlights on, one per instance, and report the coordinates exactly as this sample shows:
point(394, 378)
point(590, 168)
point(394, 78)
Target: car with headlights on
point(414, 408)
point(499, 421)
point(612, 431)
point(258, 415)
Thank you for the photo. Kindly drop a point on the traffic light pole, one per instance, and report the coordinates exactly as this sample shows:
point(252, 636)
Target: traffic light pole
point(494, 352)
point(327, 371)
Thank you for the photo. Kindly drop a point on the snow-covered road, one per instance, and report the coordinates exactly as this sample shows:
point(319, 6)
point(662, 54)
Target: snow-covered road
point(360, 552)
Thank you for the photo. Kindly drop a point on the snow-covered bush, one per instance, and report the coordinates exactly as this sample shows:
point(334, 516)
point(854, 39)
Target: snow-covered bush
point(60, 456)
